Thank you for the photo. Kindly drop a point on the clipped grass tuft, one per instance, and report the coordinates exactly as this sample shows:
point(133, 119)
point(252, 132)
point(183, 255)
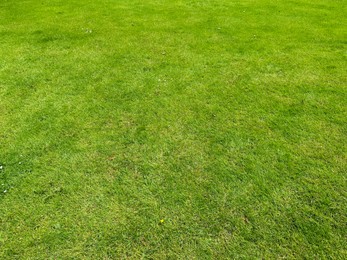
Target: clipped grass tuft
point(173, 129)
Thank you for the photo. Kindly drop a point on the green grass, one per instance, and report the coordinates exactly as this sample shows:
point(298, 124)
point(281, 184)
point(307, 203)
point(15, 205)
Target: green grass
point(226, 119)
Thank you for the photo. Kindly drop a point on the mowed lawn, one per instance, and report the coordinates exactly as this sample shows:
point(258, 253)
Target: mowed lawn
point(181, 129)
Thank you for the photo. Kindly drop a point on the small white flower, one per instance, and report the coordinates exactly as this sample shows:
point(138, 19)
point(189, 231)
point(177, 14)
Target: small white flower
point(1, 167)
point(5, 191)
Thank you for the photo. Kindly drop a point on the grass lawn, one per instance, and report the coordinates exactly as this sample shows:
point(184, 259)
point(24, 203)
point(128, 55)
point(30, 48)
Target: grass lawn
point(181, 129)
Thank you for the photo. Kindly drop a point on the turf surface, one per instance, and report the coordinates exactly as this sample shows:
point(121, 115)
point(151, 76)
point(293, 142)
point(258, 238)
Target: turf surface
point(181, 129)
